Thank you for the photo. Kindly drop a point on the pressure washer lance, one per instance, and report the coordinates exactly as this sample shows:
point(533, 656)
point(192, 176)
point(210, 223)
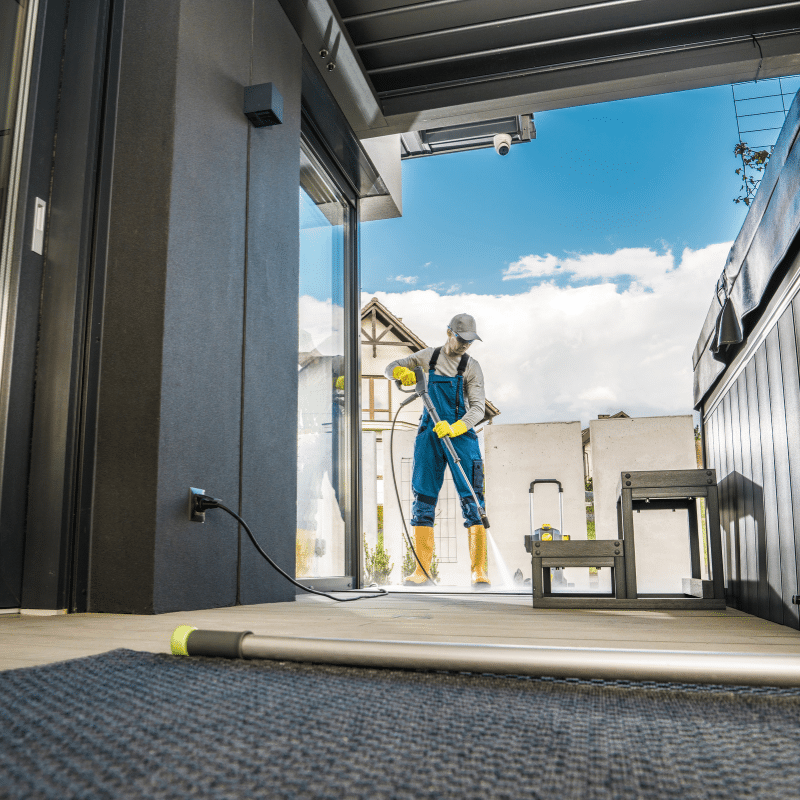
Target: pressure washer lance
point(588, 663)
point(421, 389)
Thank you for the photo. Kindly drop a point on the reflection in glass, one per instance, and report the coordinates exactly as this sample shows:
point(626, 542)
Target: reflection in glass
point(322, 454)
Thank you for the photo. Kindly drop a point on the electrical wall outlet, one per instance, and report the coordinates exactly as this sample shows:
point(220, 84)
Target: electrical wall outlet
point(194, 514)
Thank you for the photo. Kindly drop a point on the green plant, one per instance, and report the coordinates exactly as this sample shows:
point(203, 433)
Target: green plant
point(756, 161)
point(590, 529)
point(589, 484)
point(377, 563)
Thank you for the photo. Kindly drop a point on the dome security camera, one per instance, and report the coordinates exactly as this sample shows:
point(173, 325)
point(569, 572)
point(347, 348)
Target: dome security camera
point(502, 143)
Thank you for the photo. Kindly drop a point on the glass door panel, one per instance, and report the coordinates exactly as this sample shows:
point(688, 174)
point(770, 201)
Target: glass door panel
point(323, 458)
point(15, 52)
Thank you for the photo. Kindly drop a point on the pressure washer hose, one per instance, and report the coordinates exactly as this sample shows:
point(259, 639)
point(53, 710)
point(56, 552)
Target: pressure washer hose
point(537, 661)
point(397, 491)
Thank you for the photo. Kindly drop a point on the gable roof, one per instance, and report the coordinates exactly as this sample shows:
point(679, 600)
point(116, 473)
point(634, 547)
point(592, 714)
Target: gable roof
point(374, 311)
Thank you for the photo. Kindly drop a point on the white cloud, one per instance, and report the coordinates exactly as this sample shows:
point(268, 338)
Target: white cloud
point(573, 352)
point(411, 279)
point(641, 263)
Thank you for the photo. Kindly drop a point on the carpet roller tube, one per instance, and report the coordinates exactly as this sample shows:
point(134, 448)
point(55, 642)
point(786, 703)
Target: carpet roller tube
point(673, 666)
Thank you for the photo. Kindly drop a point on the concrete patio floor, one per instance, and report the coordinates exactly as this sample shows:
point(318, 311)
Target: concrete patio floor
point(27, 641)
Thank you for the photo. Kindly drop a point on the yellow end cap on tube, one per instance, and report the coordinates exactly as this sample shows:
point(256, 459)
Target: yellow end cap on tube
point(177, 644)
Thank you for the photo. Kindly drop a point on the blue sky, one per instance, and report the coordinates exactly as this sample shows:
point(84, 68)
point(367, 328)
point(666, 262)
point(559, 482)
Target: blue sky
point(588, 257)
point(654, 172)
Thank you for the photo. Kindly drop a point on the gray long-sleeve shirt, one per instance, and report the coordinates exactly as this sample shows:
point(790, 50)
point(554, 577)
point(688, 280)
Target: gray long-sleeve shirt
point(447, 366)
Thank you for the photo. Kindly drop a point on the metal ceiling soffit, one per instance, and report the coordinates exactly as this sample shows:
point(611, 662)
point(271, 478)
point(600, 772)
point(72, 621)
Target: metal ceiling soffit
point(565, 65)
point(429, 62)
point(385, 12)
point(493, 24)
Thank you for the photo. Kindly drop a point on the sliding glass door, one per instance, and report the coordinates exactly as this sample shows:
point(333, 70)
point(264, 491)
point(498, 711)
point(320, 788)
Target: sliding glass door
point(328, 405)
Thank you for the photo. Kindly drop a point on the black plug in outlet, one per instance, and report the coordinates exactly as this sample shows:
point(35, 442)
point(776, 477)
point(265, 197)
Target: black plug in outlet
point(195, 513)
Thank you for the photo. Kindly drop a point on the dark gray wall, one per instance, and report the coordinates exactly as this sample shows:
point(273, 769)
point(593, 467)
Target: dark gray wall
point(199, 360)
point(753, 442)
point(269, 443)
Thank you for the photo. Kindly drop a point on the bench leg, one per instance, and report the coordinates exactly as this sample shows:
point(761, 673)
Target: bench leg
point(536, 579)
point(694, 540)
point(628, 544)
point(619, 588)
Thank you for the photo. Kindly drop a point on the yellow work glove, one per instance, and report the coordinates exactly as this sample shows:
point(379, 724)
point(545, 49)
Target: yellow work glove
point(457, 428)
point(442, 429)
point(404, 375)
point(340, 382)
point(446, 429)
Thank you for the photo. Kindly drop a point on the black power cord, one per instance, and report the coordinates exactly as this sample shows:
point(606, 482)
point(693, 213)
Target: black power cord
point(204, 502)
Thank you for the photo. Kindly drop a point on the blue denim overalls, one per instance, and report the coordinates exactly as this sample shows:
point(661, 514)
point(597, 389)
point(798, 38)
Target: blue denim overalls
point(447, 395)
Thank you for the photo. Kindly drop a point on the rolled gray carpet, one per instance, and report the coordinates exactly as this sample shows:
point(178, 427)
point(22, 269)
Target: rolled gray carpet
point(136, 725)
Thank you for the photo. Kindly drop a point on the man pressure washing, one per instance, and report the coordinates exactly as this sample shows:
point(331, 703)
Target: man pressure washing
point(455, 385)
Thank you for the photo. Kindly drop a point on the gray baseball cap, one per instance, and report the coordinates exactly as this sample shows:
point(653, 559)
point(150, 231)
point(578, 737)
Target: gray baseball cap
point(463, 325)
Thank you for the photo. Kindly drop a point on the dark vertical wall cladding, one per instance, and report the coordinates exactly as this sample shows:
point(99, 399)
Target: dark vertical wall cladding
point(783, 487)
point(760, 600)
point(128, 427)
point(198, 384)
point(745, 506)
point(794, 440)
point(791, 456)
point(203, 307)
point(728, 516)
point(269, 442)
point(771, 529)
point(753, 441)
point(739, 570)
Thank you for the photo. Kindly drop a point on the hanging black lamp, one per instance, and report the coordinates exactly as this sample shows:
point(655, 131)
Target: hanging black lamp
point(728, 329)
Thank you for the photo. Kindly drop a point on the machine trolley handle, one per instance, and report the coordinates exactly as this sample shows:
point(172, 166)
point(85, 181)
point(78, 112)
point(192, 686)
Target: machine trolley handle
point(560, 502)
point(545, 480)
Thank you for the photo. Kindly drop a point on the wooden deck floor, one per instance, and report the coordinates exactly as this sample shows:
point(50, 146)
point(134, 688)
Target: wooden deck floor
point(33, 640)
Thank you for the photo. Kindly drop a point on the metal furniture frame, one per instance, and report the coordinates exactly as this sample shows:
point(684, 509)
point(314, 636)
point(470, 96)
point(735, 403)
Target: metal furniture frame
point(640, 491)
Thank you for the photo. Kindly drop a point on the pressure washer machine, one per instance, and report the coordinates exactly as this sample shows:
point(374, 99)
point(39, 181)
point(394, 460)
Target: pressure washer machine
point(547, 533)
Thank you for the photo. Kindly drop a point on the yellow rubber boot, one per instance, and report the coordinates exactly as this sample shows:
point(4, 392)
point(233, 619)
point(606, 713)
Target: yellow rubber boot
point(304, 552)
point(423, 544)
point(478, 557)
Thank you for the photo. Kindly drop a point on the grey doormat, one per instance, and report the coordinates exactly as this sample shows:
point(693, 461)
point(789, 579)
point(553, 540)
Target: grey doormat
point(136, 725)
